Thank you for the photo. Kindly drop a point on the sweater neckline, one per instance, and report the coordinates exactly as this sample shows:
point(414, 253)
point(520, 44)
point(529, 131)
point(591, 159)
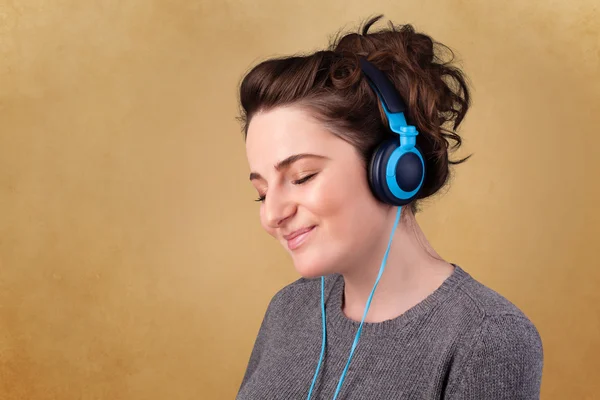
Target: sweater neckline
point(341, 323)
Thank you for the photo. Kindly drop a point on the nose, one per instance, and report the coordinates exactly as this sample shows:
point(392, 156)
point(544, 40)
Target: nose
point(278, 208)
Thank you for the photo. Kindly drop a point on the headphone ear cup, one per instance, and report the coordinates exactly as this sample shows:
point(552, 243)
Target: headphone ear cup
point(377, 173)
point(410, 171)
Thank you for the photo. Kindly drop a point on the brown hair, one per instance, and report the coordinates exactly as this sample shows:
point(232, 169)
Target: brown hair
point(330, 84)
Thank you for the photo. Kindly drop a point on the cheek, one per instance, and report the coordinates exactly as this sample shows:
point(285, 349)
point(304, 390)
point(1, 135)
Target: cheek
point(337, 202)
point(326, 199)
point(347, 209)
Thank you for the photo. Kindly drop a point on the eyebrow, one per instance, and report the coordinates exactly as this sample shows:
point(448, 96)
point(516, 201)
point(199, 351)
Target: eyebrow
point(287, 162)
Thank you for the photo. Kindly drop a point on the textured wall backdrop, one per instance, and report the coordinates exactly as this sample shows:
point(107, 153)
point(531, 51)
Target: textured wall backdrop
point(132, 263)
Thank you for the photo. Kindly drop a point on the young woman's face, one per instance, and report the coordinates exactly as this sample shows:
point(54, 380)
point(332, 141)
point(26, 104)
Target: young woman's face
point(315, 196)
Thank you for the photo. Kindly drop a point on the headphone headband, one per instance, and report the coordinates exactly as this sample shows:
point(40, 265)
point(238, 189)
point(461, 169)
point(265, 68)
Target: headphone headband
point(383, 87)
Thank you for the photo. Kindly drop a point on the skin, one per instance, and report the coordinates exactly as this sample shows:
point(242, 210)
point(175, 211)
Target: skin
point(351, 227)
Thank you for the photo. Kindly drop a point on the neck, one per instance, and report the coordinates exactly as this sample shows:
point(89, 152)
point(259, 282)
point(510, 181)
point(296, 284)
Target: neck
point(412, 272)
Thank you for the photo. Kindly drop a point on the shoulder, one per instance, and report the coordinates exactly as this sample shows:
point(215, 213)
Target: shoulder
point(498, 317)
point(504, 346)
point(504, 360)
point(487, 301)
point(509, 336)
point(473, 305)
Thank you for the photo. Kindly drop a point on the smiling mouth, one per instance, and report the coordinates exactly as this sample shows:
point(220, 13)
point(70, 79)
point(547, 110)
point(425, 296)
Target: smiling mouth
point(297, 240)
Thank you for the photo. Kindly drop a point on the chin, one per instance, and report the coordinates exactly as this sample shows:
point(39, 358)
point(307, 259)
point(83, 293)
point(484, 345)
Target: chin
point(311, 267)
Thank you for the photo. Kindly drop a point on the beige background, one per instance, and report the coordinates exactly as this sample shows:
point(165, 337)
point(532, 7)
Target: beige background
point(132, 263)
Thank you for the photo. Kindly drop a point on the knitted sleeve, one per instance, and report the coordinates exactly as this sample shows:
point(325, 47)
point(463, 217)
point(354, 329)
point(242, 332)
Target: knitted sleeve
point(506, 362)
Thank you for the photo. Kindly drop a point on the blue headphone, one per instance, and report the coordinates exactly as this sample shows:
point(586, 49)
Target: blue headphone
point(396, 173)
point(397, 169)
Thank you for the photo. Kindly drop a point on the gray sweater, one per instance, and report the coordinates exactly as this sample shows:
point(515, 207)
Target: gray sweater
point(464, 341)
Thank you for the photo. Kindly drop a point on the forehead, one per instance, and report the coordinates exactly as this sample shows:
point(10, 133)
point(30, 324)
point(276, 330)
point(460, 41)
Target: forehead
point(279, 133)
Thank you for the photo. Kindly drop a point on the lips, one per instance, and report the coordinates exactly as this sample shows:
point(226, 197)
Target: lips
point(299, 232)
point(296, 238)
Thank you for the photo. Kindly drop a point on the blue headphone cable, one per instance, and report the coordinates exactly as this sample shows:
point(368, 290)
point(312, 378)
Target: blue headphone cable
point(356, 338)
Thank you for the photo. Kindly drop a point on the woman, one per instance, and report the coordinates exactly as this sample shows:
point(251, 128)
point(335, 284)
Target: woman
point(377, 314)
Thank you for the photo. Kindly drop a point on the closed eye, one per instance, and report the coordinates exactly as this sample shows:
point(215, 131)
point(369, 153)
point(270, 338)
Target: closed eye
point(296, 182)
point(305, 179)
